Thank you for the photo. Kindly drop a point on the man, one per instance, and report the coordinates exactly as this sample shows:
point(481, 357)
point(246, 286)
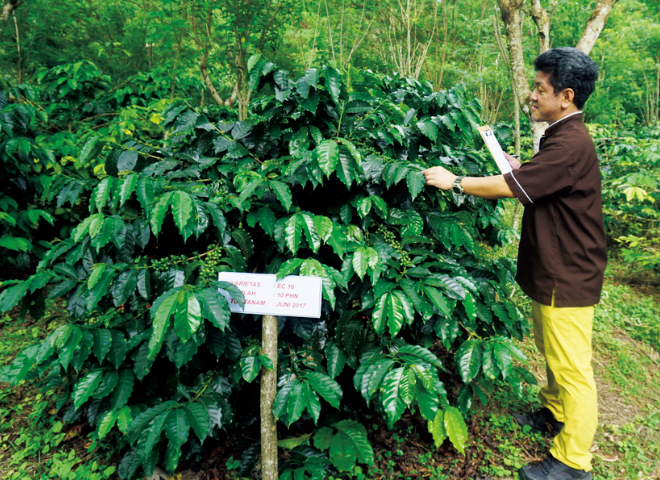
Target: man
point(561, 257)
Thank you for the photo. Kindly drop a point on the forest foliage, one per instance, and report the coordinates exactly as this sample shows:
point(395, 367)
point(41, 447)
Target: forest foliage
point(201, 47)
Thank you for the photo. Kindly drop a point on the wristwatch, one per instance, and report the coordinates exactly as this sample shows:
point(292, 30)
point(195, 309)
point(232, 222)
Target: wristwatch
point(457, 188)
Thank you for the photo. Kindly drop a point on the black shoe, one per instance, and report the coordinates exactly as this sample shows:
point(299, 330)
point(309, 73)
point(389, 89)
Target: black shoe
point(542, 421)
point(552, 469)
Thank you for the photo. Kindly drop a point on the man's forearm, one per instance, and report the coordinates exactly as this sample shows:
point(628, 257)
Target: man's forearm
point(484, 187)
point(487, 187)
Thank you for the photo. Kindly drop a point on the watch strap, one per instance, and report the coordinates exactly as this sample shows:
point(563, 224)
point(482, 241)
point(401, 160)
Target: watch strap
point(458, 188)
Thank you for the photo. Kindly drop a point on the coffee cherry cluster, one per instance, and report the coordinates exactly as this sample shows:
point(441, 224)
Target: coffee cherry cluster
point(390, 239)
point(164, 264)
point(220, 189)
point(209, 270)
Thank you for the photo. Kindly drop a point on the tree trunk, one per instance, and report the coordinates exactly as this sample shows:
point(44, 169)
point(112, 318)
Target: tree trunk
point(19, 59)
point(268, 393)
point(542, 20)
point(204, 71)
point(205, 46)
point(512, 17)
point(595, 25)
point(242, 77)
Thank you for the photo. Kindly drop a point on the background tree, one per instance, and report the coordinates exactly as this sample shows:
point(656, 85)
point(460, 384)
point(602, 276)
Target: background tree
point(8, 7)
point(512, 16)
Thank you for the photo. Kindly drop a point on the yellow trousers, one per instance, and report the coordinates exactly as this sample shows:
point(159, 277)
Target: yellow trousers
point(563, 335)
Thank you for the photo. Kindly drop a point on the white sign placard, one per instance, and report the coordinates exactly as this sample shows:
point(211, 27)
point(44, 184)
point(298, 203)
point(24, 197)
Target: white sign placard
point(292, 296)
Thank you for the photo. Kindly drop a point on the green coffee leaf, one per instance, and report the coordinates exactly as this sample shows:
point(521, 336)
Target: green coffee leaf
point(172, 456)
point(177, 427)
point(313, 402)
point(422, 353)
point(151, 436)
point(347, 168)
point(502, 356)
point(214, 307)
point(118, 348)
point(333, 82)
point(437, 428)
point(296, 403)
point(188, 314)
point(393, 404)
point(182, 207)
point(86, 386)
point(100, 289)
point(416, 183)
point(289, 267)
point(456, 428)
point(407, 386)
point(22, 364)
point(358, 434)
point(428, 128)
point(283, 193)
point(142, 364)
point(124, 286)
point(426, 400)
point(160, 311)
point(325, 386)
point(123, 390)
point(282, 398)
point(10, 297)
point(343, 452)
point(108, 384)
point(309, 227)
point(374, 378)
point(250, 366)
point(107, 422)
point(198, 417)
point(336, 359)
point(293, 442)
point(327, 155)
point(158, 214)
point(323, 226)
point(468, 359)
point(438, 299)
point(293, 229)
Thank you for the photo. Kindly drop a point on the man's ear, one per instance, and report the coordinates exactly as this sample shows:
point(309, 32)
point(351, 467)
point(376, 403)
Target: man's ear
point(567, 96)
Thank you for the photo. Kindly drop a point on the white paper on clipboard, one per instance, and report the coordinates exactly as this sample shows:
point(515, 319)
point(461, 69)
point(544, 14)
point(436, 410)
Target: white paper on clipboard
point(495, 149)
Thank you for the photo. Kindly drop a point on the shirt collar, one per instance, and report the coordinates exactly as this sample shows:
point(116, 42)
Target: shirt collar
point(564, 118)
point(550, 131)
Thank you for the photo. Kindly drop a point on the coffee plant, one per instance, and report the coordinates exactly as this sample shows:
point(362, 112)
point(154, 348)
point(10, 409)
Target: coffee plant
point(323, 179)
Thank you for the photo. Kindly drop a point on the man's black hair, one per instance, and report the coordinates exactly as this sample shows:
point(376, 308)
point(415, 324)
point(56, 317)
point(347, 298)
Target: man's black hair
point(569, 68)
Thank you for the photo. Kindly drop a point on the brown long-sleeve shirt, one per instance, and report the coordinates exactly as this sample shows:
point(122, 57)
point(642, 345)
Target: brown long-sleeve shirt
point(562, 244)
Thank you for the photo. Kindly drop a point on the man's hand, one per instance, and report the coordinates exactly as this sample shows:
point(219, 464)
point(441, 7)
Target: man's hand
point(439, 177)
point(513, 161)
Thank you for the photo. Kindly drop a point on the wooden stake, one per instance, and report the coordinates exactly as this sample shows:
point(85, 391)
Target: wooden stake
point(268, 392)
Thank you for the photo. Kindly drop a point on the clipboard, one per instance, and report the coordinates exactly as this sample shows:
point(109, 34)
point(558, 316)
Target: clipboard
point(495, 149)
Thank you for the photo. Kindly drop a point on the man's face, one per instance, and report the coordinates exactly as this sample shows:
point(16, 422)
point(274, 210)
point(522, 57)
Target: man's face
point(546, 103)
